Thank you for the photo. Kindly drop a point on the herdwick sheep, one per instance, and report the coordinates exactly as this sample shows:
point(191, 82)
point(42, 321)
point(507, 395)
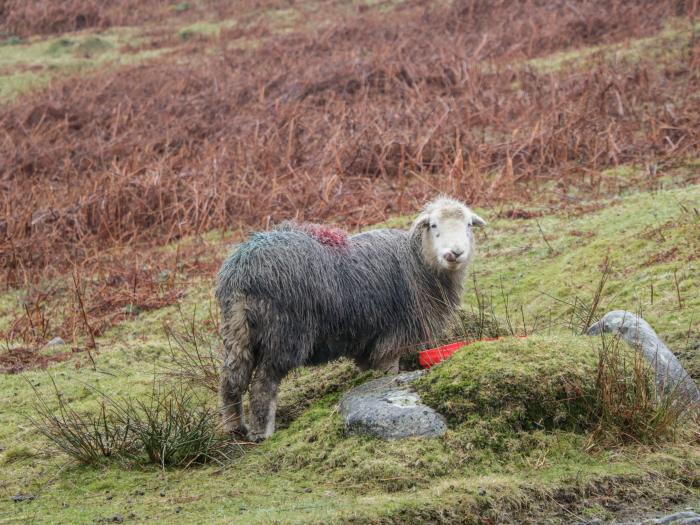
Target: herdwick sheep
point(304, 294)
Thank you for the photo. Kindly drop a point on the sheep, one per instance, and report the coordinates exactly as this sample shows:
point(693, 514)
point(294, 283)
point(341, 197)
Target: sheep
point(305, 294)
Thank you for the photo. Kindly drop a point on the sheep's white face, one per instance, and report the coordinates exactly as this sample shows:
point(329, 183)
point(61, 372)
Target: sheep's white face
point(448, 240)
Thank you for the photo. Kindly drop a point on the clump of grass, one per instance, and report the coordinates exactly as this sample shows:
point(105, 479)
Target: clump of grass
point(90, 438)
point(473, 325)
point(174, 428)
point(181, 7)
point(629, 406)
point(507, 388)
point(171, 427)
point(195, 354)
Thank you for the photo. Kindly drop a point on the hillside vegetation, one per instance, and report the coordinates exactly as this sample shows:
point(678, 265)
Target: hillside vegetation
point(515, 462)
point(142, 139)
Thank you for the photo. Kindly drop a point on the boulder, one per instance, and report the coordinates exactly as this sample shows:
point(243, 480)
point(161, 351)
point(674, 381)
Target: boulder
point(389, 408)
point(670, 374)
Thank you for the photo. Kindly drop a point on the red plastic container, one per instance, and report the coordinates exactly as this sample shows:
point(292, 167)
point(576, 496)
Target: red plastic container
point(428, 358)
point(433, 356)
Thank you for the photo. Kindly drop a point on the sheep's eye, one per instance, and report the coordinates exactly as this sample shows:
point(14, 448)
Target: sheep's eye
point(433, 226)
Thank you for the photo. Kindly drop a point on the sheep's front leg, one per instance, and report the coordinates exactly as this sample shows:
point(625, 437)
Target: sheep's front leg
point(384, 357)
point(389, 366)
point(263, 403)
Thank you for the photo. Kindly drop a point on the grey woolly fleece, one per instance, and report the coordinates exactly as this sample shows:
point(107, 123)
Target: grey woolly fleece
point(307, 302)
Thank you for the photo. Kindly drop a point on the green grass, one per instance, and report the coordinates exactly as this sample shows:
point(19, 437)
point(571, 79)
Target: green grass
point(29, 65)
point(671, 42)
point(517, 445)
point(33, 64)
point(652, 240)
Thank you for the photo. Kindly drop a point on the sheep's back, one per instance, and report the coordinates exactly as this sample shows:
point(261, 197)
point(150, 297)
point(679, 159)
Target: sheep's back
point(363, 286)
point(278, 266)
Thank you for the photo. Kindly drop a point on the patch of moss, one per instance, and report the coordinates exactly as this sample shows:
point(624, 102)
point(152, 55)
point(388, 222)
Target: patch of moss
point(181, 7)
point(517, 384)
point(204, 28)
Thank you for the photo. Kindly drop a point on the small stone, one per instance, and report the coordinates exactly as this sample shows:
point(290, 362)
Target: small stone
point(56, 341)
point(162, 494)
point(22, 497)
point(117, 518)
point(178, 510)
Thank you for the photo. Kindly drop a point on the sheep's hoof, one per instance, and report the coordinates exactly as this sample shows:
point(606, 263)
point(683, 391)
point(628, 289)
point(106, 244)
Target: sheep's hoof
point(239, 434)
point(255, 437)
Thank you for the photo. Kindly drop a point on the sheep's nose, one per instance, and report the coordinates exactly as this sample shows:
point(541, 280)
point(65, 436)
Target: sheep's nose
point(452, 255)
point(457, 253)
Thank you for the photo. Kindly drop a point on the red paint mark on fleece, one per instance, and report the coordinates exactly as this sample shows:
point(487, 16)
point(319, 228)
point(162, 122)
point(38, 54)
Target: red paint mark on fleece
point(333, 237)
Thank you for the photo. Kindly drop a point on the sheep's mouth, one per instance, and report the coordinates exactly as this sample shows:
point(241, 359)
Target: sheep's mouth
point(452, 265)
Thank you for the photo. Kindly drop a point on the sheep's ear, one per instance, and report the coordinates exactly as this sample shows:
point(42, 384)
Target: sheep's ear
point(422, 221)
point(477, 221)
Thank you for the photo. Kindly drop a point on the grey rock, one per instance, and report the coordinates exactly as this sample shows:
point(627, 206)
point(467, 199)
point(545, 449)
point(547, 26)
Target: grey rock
point(672, 518)
point(56, 341)
point(670, 374)
point(677, 518)
point(390, 409)
point(17, 498)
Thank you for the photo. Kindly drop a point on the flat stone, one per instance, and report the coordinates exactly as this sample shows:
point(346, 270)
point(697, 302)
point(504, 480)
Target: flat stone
point(389, 408)
point(56, 341)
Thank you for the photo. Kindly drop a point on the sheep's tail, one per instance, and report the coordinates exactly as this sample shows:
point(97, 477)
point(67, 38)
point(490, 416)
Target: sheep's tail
point(238, 364)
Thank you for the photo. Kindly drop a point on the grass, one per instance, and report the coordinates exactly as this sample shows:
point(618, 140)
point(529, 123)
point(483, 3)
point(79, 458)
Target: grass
point(29, 65)
point(673, 40)
point(541, 382)
point(171, 427)
point(26, 65)
point(518, 445)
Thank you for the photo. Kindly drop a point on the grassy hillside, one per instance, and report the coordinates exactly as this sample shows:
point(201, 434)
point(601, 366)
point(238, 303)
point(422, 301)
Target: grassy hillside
point(139, 138)
point(496, 462)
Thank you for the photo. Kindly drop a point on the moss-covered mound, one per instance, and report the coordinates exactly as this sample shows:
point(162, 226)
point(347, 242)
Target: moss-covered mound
point(517, 384)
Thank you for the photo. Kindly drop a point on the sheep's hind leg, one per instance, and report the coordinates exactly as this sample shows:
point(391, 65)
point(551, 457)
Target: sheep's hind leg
point(233, 384)
point(263, 403)
point(236, 371)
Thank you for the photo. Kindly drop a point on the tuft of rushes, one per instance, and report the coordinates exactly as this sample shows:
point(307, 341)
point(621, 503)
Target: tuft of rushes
point(174, 428)
point(170, 427)
point(89, 438)
point(195, 354)
point(629, 407)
